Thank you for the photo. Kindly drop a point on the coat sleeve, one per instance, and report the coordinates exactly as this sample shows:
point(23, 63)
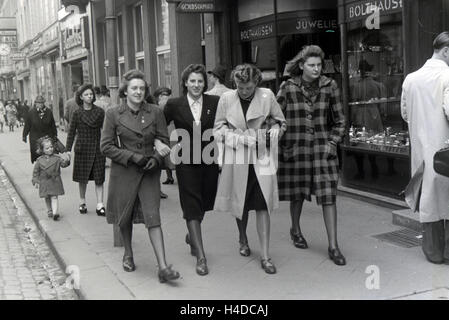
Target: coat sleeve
point(277, 118)
point(337, 115)
point(36, 173)
point(161, 133)
point(281, 97)
point(446, 100)
point(221, 123)
point(404, 102)
point(72, 132)
point(109, 144)
point(27, 126)
point(54, 130)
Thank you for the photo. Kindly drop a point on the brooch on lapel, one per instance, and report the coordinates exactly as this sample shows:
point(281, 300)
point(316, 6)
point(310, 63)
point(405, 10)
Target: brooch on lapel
point(208, 111)
point(264, 95)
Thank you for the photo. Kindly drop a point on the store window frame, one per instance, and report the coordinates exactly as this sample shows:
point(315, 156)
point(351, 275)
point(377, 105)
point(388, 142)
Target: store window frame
point(162, 48)
point(138, 46)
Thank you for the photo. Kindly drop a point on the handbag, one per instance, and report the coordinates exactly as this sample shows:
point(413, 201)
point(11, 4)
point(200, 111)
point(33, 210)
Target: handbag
point(441, 162)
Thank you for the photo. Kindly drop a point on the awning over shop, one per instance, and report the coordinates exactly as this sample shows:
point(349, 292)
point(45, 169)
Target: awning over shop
point(81, 4)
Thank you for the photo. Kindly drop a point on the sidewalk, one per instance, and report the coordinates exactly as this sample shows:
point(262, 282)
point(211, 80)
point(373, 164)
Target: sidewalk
point(87, 242)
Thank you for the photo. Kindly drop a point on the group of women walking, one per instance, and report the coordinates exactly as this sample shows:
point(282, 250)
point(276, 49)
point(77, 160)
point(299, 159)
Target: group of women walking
point(305, 120)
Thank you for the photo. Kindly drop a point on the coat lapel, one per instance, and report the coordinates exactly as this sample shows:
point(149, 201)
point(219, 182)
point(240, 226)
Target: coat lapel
point(148, 117)
point(127, 120)
point(236, 116)
point(186, 112)
point(48, 163)
point(255, 109)
point(206, 113)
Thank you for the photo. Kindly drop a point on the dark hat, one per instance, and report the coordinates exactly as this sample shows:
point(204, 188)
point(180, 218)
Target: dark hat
point(162, 90)
point(219, 72)
point(39, 99)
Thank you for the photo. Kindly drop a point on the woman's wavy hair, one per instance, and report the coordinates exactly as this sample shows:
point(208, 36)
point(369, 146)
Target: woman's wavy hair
point(40, 144)
point(131, 75)
point(193, 68)
point(245, 73)
point(307, 52)
point(80, 92)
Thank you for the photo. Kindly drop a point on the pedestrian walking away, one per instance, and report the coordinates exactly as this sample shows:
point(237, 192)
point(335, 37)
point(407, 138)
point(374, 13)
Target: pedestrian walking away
point(39, 123)
point(425, 107)
point(89, 162)
point(217, 79)
point(70, 107)
point(194, 113)
point(2, 115)
point(134, 186)
point(308, 151)
point(245, 186)
point(47, 175)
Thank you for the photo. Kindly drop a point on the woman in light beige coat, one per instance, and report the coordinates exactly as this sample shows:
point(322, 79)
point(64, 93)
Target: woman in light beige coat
point(245, 118)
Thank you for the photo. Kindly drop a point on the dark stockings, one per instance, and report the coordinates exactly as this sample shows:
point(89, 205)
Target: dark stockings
point(196, 240)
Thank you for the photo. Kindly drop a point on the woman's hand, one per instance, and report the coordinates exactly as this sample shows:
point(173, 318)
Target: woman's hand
point(274, 133)
point(151, 164)
point(161, 148)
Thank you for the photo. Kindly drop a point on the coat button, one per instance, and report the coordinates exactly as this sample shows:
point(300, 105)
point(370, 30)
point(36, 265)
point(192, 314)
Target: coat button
point(311, 131)
point(139, 146)
point(310, 103)
point(309, 117)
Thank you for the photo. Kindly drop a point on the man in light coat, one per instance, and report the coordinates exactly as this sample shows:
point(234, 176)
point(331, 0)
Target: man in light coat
point(425, 106)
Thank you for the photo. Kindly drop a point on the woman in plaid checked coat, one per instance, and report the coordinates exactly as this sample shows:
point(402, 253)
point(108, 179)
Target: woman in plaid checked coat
point(89, 163)
point(308, 151)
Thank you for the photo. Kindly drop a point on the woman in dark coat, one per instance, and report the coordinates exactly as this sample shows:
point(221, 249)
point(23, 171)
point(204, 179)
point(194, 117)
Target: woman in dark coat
point(194, 113)
point(308, 162)
point(134, 186)
point(39, 122)
point(89, 162)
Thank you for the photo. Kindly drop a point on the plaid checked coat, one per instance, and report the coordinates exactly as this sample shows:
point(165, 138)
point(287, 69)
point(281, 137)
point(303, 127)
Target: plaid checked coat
point(86, 126)
point(308, 162)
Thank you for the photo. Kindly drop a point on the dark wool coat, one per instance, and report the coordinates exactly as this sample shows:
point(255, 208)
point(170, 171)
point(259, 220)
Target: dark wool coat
point(37, 128)
point(308, 162)
point(123, 137)
point(47, 172)
point(89, 162)
point(197, 180)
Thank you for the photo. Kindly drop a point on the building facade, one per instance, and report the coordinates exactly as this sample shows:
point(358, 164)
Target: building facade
point(8, 50)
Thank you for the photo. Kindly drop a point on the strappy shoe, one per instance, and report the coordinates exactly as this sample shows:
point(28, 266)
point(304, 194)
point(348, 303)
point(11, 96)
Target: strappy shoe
point(101, 212)
point(201, 267)
point(128, 264)
point(169, 181)
point(83, 208)
point(244, 250)
point(268, 266)
point(298, 240)
point(50, 214)
point(168, 274)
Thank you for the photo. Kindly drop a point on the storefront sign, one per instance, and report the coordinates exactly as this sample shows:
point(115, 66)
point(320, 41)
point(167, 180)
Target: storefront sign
point(73, 40)
point(362, 9)
point(197, 6)
point(8, 33)
point(288, 24)
point(18, 56)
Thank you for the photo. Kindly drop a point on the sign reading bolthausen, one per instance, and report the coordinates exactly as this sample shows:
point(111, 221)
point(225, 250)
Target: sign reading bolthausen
point(361, 9)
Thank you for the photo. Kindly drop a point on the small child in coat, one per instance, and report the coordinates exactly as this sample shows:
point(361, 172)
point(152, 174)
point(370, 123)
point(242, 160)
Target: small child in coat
point(47, 175)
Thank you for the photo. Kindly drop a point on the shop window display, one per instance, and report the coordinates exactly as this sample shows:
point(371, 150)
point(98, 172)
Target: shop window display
point(378, 144)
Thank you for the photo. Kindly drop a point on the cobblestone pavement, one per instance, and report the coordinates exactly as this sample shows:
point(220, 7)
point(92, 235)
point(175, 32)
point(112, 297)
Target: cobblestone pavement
point(28, 269)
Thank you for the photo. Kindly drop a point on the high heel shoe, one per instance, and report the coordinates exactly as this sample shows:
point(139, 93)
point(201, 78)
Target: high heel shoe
point(244, 250)
point(192, 248)
point(128, 264)
point(168, 274)
point(169, 181)
point(336, 256)
point(298, 240)
point(201, 267)
point(268, 266)
point(101, 212)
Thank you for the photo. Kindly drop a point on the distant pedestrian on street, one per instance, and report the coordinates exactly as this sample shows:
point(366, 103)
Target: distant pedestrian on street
point(425, 107)
point(103, 101)
point(308, 151)
point(11, 115)
point(89, 162)
point(134, 187)
point(217, 78)
point(47, 175)
point(70, 107)
point(246, 186)
point(161, 96)
point(194, 113)
point(2, 115)
point(38, 123)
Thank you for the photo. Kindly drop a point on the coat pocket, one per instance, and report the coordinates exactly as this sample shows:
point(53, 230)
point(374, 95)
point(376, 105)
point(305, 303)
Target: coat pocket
point(289, 153)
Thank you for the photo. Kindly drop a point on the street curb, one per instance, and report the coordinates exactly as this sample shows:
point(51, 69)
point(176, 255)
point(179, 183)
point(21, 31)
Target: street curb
point(62, 261)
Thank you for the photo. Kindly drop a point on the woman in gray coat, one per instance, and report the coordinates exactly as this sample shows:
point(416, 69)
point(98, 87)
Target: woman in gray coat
point(128, 138)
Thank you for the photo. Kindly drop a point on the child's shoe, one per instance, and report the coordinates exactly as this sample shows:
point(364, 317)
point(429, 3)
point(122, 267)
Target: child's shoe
point(56, 217)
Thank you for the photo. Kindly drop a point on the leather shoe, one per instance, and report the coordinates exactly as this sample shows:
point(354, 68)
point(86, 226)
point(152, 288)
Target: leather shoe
point(167, 274)
point(268, 266)
point(192, 248)
point(169, 181)
point(336, 256)
point(83, 208)
point(101, 212)
point(163, 195)
point(201, 267)
point(244, 251)
point(298, 240)
point(128, 264)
